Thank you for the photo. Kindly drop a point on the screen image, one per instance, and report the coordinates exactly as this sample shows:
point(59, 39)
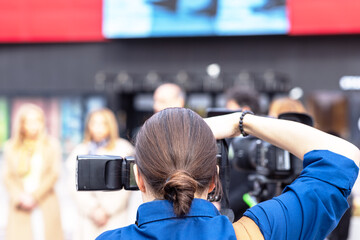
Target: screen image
point(167, 18)
point(98, 20)
point(71, 123)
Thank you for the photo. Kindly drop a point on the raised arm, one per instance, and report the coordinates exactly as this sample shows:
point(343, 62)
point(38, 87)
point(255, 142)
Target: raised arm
point(312, 205)
point(295, 137)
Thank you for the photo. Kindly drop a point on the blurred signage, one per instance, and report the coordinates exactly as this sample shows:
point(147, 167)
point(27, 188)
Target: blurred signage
point(350, 83)
point(95, 20)
point(50, 21)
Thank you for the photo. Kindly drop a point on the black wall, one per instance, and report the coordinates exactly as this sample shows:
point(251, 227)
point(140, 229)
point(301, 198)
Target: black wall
point(310, 62)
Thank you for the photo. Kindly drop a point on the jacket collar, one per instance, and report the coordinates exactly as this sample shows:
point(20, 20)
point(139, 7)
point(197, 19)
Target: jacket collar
point(163, 209)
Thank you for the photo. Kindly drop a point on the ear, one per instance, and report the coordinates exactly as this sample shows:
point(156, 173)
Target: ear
point(182, 102)
point(212, 184)
point(139, 180)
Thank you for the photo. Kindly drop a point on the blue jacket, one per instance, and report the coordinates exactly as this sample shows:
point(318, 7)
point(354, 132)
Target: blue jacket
point(309, 208)
point(156, 220)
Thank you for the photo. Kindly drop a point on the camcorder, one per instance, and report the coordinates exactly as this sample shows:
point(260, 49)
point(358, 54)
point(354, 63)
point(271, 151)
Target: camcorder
point(105, 172)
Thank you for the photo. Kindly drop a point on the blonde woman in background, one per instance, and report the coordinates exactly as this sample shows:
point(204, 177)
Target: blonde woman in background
point(285, 105)
point(98, 210)
point(31, 169)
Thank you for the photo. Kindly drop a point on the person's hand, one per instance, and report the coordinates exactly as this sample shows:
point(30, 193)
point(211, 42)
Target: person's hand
point(99, 217)
point(26, 202)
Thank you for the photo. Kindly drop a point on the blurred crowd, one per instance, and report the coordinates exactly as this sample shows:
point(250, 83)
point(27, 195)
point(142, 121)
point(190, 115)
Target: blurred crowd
point(32, 164)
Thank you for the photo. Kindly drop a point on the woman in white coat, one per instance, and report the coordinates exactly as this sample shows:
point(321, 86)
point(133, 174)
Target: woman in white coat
point(98, 210)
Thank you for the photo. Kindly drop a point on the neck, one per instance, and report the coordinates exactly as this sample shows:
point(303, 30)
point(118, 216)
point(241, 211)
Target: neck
point(148, 196)
point(101, 143)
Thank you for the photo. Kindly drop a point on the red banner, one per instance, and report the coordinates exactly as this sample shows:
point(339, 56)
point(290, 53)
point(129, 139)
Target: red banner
point(81, 20)
point(50, 20)
point(308, 17)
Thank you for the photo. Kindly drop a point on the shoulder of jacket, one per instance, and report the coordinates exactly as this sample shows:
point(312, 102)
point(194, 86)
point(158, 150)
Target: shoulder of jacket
point(8, 146)
point(81, 148)
point(123, 142)
point(52, 140)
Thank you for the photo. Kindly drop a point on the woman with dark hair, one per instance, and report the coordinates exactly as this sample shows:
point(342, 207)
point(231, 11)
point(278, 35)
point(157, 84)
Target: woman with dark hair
point(176, 169)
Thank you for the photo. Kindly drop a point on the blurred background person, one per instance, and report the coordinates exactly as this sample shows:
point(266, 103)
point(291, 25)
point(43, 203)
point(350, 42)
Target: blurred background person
point(31, 169)
point(97, 210)
point(246, 99)
point(285, 105)
point(281, 105)
point(168, 95)
point(242, 98)
point(165, 95)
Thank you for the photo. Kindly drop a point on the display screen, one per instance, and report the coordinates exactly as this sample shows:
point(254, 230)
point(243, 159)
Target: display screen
point(98, 20)
point(182, 18)
point(167, 18)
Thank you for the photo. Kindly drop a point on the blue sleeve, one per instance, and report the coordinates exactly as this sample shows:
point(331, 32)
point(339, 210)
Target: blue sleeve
point(311, 207)
point(109, 235)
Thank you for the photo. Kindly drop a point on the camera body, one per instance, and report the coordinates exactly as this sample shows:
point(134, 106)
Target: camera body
point(274, 163)
point(254, 154)
point(270, 168)
point(105, 172)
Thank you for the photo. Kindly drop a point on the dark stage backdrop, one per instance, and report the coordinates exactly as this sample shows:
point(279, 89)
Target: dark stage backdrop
point(310, 62)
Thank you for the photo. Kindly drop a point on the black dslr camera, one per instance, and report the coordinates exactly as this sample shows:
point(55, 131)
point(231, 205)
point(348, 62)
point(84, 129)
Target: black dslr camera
point(272, 168)
point(104, 172)
point(251, 153)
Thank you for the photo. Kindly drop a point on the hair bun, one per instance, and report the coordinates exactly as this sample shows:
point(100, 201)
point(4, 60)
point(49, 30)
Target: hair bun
point(180, 188)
